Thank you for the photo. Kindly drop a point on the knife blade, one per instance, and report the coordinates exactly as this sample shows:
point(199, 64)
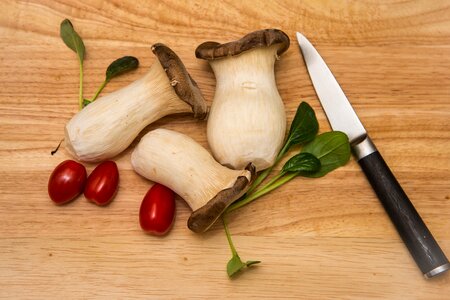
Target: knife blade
point(420, 242)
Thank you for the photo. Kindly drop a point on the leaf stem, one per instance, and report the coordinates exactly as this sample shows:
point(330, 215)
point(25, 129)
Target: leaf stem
point(261, 192)
point(275, 178)
point(100, 89)
point(227, 232)
point(80, 99)
point(259, 179)
point(283, 151)
point(267, 171)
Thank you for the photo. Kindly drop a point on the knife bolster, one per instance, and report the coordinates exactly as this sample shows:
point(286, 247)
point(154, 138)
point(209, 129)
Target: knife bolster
point(364, 148)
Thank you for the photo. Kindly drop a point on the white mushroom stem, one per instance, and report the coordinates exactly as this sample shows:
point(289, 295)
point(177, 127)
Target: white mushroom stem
point(247, 121)
point(178, 162)
point(108, 125)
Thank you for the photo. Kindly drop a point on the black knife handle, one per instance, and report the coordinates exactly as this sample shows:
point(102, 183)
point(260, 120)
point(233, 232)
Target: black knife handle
point(415, 234)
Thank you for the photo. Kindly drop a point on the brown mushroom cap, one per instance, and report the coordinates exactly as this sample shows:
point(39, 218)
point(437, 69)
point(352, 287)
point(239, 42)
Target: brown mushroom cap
point(260, 38)
point(184, 85)
point(204, 217)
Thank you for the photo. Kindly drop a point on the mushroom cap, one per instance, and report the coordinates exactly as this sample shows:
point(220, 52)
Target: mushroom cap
point(184, 85)
point(260, 38)
point(204, 217)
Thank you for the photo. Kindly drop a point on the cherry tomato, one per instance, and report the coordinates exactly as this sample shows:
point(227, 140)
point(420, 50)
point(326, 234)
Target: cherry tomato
point(157, 210)
point(66, 182)
point(102, 183)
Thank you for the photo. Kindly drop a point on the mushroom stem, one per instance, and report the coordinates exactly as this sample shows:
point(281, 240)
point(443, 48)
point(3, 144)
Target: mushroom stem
point(107, 126)
point(247, 121)
point(178, 162)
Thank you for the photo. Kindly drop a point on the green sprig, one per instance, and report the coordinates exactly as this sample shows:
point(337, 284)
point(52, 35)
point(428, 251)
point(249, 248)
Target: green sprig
point(116, 68)
point(303, 129)
point(72, 40)
point(320, 155)
point(235, 264)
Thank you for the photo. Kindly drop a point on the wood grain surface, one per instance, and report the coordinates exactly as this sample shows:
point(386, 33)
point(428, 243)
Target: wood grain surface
point(325, 238)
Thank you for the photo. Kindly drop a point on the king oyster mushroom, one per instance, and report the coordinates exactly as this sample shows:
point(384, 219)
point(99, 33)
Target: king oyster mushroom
point(178, 162)
point(107, 126)
point(247, 121)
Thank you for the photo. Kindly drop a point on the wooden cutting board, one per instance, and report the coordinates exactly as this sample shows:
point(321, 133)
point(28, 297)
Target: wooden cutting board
point(316, 238)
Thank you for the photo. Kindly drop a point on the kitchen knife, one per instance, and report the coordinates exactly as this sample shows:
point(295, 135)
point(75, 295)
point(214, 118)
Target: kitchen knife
point(415, 234)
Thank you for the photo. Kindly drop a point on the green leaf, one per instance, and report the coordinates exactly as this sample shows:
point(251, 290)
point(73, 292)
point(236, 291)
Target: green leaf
point(252, 262)
point(120, 66)
point(86, 102)
point(303, 163)
point(235, 265)
point(304, 127)
point(331, 148)
point(71, 38)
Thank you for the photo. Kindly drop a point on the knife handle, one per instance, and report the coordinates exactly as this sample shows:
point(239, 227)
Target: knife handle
point(415, 234)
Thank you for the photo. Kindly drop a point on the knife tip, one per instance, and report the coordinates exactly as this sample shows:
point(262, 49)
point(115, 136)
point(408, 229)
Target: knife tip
point(300, 36)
